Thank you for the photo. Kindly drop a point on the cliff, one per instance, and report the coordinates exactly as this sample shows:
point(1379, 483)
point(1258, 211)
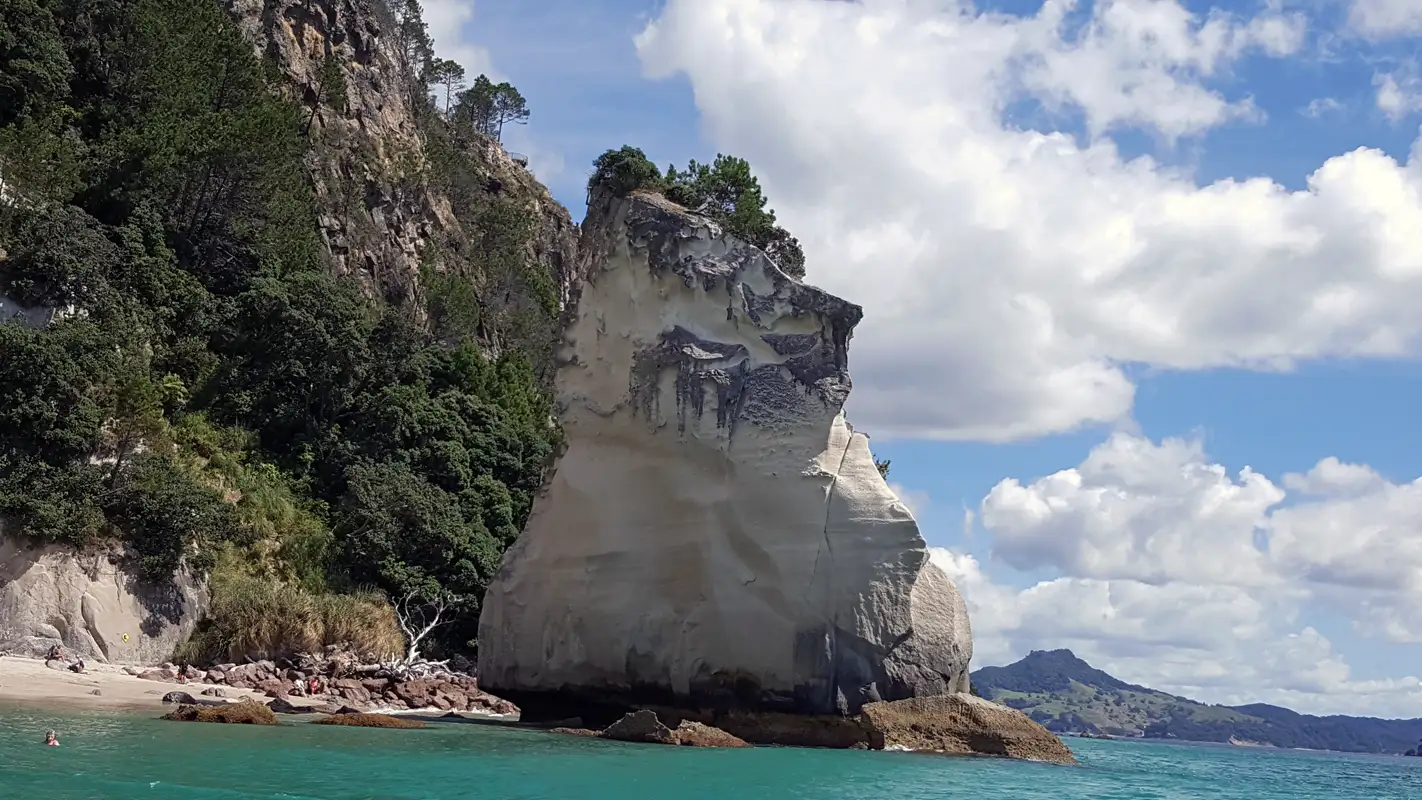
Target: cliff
point(398, 190)
point(716, 536)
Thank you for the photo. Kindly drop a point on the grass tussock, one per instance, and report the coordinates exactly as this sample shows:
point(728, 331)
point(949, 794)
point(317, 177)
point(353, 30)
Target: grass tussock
point(248, 713)
point(369, 721)
point(253, 617)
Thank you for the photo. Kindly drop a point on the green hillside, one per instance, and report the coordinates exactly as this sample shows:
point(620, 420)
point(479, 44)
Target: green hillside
point(1068, 695)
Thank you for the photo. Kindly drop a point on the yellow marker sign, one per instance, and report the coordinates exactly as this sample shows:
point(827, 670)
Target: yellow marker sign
point(125, 637)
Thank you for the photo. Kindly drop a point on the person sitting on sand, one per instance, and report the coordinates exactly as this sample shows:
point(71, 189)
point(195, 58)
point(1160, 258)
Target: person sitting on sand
point(51, 740)
point(77, 666)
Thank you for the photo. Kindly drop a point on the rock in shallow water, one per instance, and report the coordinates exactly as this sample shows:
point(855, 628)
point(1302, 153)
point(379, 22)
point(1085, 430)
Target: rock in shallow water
point(715, 536)
point(962, 724)
point(244, 713)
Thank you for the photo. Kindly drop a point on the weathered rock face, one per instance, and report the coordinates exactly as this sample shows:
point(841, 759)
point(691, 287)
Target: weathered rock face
point(715, 536)
point(92, 604)
point(379, 218)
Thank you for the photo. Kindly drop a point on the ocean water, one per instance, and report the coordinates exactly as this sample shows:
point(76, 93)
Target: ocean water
point(127, 756)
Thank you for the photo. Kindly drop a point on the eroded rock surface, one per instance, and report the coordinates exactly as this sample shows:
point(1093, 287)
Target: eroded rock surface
point(716, 536)
point(91, 604)
point(962, 724)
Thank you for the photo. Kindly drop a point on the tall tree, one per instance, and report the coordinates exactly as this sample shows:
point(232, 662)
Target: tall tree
point(509, 107)
point(415, 47)
point(450, 75)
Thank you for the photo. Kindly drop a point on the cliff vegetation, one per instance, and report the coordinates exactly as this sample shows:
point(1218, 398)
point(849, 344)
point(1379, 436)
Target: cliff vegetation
point(245, 370)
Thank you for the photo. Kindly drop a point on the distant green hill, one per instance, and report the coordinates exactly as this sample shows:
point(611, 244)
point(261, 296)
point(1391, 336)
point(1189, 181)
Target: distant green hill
point(1068, 695)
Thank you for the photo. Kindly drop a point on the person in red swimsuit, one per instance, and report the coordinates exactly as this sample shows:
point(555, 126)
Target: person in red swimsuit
point(51, 740)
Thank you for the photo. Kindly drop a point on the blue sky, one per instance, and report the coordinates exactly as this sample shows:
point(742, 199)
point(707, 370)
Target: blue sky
point(1315, 83)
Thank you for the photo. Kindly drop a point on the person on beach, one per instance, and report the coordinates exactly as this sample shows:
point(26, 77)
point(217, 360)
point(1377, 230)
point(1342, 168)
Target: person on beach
point(51, 740)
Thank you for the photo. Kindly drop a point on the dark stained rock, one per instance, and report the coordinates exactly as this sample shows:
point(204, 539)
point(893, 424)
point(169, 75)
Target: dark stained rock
point(283, 706)
point(179, 697)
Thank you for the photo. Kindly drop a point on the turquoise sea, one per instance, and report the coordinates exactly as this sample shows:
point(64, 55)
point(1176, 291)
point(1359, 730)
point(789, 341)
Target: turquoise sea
point(126, 756)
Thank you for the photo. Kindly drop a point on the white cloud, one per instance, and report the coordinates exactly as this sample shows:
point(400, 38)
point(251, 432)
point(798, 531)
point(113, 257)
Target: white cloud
point(1383, 18)
point(1007, 274)
point(1321, 106)
point(1399, 94)
point(1178, 575)
point(448, 21)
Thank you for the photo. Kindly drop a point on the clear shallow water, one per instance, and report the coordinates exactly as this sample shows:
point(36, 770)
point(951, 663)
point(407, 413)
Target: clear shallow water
point(130, 756)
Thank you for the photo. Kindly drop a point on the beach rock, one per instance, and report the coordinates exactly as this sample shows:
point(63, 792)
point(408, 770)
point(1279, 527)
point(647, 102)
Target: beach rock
point(194, 674)
point(283, 706)
point(640, 726)
point(55, 663)
point(715, 532)
point(361, 720)
point(245, 713)
point(695, 734)
point(216, 676)
point(96, 692)
point(180, 698)
point(162, 675)
point(962, 724)
point(213, 692)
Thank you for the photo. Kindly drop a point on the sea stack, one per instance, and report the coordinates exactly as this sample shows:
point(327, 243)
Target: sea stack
point(716, 538)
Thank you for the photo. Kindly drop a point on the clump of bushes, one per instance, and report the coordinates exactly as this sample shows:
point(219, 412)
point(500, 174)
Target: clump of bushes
point(260, 618)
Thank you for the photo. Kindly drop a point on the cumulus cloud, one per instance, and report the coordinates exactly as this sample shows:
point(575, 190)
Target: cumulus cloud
point(1178, 574)
point(1380, 19)
point(1007, 274)
point(1399, 94)
point(448, 22)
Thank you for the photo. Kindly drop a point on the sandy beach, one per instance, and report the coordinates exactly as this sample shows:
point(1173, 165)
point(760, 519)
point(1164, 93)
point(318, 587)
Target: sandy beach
point(25, 680)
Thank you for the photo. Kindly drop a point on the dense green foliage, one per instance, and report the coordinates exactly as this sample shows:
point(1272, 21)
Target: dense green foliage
point(487, 107)
point(1068, 695)
point(216, 392)
point(725, 190)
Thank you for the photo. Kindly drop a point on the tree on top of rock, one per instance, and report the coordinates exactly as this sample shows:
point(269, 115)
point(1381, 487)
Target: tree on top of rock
point(450, 75)
point(726, 190)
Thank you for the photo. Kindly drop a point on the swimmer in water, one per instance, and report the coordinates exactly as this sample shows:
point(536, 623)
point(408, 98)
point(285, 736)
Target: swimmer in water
point(51, 740)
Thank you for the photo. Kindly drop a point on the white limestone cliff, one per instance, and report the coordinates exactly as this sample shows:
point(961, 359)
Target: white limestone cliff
point(716, 535)
point(92, 604)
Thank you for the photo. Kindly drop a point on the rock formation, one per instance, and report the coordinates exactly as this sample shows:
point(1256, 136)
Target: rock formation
point(716, 536)
point(377, 224)
point(92, 604)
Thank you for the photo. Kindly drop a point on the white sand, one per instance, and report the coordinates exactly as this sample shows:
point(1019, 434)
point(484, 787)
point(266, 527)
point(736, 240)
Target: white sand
point(28, 680)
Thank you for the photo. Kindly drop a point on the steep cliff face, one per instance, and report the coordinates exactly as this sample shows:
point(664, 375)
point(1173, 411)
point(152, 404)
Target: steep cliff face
point(92, 604)
point(383, 213)
point(716, 535)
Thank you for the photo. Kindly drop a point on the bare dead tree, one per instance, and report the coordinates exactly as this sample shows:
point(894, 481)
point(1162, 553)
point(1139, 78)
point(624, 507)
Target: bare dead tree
point(417, 617)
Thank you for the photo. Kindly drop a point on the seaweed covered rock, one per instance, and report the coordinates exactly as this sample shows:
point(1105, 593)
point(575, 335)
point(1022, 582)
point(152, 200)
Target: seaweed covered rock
point(243, 713)
point(716, 536)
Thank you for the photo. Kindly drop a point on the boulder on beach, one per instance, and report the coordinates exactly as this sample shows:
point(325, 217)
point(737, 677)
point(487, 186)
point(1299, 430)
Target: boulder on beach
point(244, 713)
point(283, 706)
point(182, 698)
point(362, 720)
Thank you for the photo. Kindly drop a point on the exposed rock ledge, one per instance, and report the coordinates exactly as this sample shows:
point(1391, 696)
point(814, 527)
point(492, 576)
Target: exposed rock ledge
point(716, 538)
point(92, 604)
